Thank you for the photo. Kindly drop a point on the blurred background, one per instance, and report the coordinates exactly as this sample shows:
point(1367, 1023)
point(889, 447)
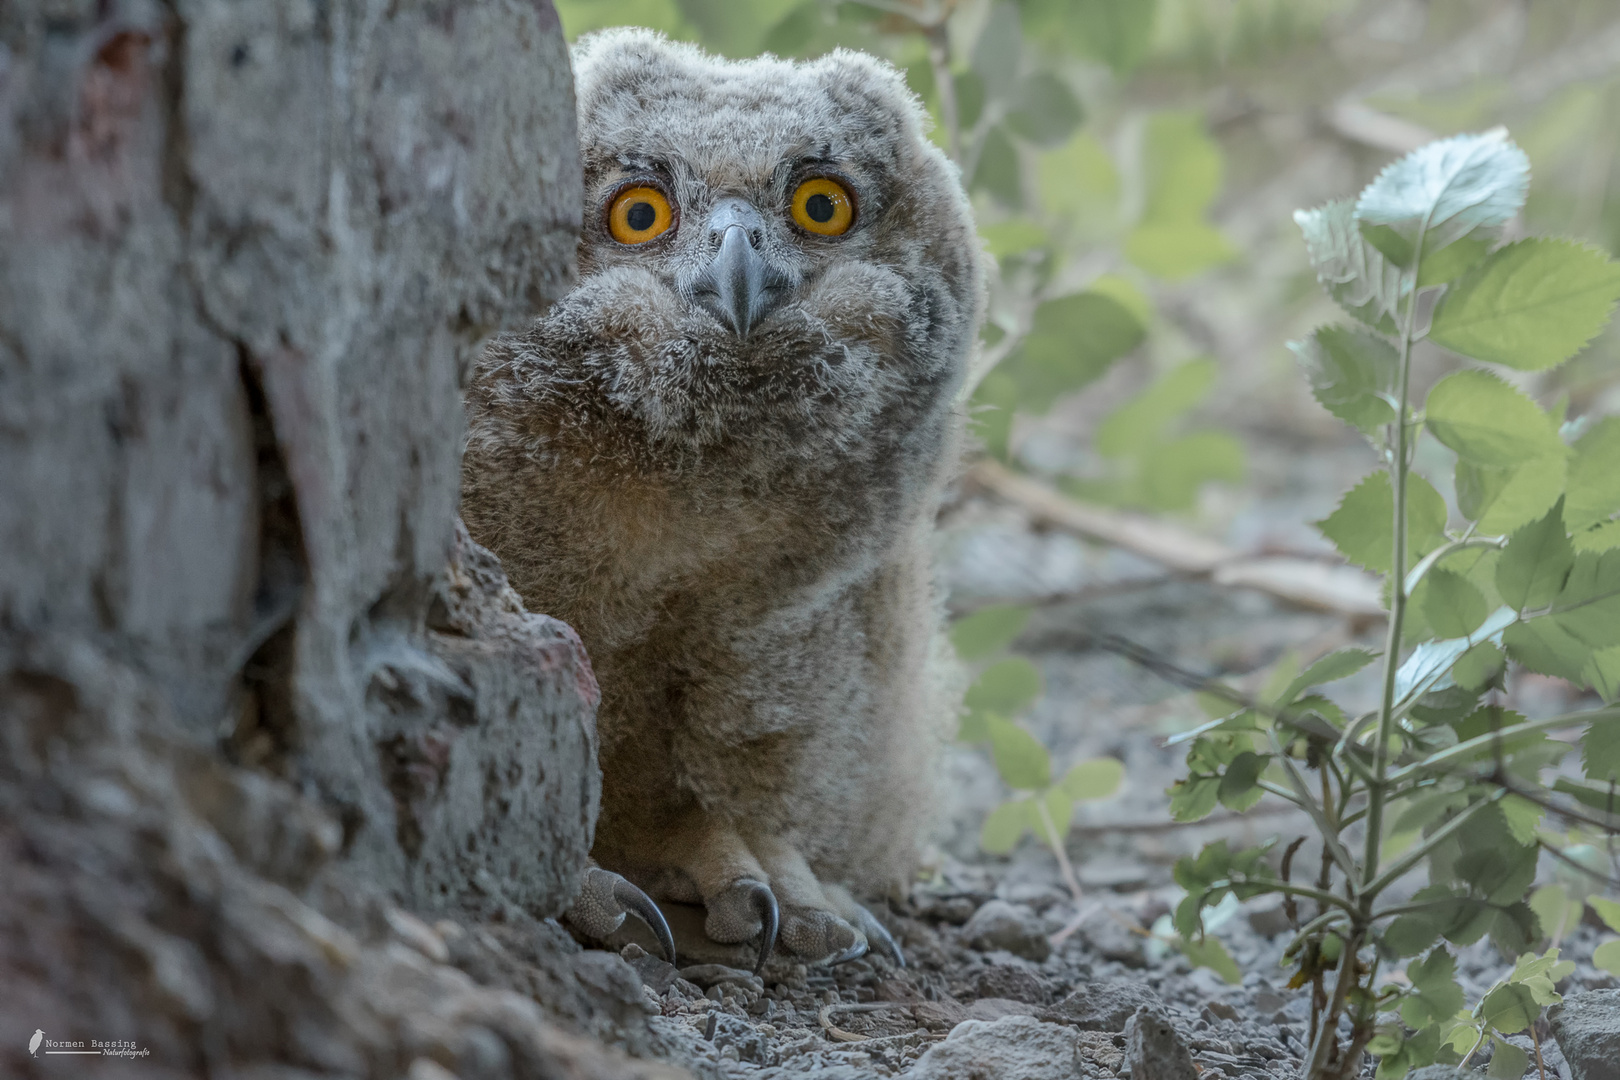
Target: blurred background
point(1135, 166)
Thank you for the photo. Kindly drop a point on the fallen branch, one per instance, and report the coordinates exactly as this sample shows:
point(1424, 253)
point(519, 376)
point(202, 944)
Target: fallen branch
point(1305, 582)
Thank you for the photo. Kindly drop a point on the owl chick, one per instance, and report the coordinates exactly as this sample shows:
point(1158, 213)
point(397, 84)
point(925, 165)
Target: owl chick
point(719, 458)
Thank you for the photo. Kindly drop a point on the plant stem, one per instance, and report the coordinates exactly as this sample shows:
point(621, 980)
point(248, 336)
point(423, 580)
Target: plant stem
point(1055, 842)
point(1491, 738)
point(1400, 866)
point(1327, 1036)
point(1399, 466)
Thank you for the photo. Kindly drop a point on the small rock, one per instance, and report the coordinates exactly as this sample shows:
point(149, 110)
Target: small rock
point(1000, 925)
point(1012, 1048)
point(1008, 981)
point(1153, 1049)
point(996, 1008)
point(1268, 918)
point(1102, 1006)
point(655, 974)
point(938, 1015)
point(707, 975)
point(1442, 1072)
point(1221, 1010)
point(1109, 935)
point(1587, 1027)
point(688, 989)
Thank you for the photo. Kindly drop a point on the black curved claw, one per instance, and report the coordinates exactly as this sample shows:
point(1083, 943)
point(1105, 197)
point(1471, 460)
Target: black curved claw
point(763, 902)
point(876, 931)
point(638, 903)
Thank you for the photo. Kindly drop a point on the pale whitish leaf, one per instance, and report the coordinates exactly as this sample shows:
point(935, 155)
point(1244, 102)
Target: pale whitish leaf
point(1362, 526)
point(1607, 956)
point(1140, 422)
point(1607, 910)
point(1097, 778)
point(1330, 668)
point(989, 630)
point(1020, 758)
point(1005, 825)
point(1532, 569)
point(1005, 687)
point(1531, 305)
point(1502, 499)
point(1489, 422)
point(1354, 273)
point(1352, 373)
point(1594, 476)
point(1443, 191)
point(1432, 659)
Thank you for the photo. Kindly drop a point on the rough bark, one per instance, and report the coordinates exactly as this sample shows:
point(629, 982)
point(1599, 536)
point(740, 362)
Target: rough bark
point(257, 694)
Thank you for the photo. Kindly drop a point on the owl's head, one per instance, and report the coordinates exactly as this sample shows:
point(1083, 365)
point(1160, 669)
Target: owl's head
point(764, 233)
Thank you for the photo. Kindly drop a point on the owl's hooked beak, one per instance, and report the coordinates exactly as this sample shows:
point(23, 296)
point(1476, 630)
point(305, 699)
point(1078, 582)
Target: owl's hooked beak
point(740, 286)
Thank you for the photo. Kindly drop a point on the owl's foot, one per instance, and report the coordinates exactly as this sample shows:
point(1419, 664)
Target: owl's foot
point(744, 909)
point(605, 899)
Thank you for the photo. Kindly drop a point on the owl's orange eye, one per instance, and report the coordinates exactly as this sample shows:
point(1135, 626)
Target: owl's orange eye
point(823, 206)
point(638, 214)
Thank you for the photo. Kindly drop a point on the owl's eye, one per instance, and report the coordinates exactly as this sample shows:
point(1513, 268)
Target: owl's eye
point(639, 214)
point(823, 206)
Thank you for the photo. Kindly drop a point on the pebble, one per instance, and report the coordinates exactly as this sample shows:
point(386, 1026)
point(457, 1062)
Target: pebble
point(1587, 1027)
point(1001, 925)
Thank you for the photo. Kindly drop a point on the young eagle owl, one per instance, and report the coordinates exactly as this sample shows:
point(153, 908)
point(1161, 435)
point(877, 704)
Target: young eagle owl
point(719, 458)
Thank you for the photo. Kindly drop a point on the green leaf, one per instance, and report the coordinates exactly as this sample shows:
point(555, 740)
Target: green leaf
point(1140, 423)
point(1013, 236)
point(1599, 538)
point(998, 171)
point(1006, 687)
point(1543, 646)
point(1072, 341)
point(1194, 797)
point(1449, 263)
point(1434, 986)
point(1097, 778)
point(1060, 808)
point(1536, 563)
point(989, 630)
point(997, 49)
point(1607, 910)
point(1172, 472)
point(1594, 476)
point(1556, 911)
point(1531, 305)
point(1117, 32)
point(1020, 758)
point(1607, 956)
point(1510, 1008)
point(1078, 181)
point(1522, 816)
point(1181, 171)
point(1362, 527)
point(1238, 790)
point(1044, 110)
point(1209, 952)
point(1453, 606)
point(1354, 273)
point(1602, 672)
point(1489, 422)
point(1600, 752)
point(1502, 499)
point(1336, 665)
point(1588, 608)
point(974, 728)
point(1006, 824)
point(1508, 1062)
point(1352, 373)
point(1442, 192)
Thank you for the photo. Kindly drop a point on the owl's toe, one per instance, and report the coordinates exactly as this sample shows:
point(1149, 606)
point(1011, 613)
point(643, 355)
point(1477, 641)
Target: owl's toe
point(879, 936)
point(605, 899)
point(743, 909)
point(819, 936)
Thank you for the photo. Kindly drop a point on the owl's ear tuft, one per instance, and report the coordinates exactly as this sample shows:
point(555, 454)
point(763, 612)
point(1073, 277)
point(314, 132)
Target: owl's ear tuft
point(621, 60)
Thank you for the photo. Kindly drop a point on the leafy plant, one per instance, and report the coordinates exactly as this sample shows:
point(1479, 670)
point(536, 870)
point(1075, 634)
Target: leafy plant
point(1521, 566)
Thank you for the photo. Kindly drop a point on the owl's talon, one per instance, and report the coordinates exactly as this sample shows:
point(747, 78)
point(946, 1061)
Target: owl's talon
point(770, 916)
point(879, 935)
point(605, 899)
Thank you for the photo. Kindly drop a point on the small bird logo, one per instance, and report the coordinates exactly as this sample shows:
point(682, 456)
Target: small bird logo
point(33, 1044)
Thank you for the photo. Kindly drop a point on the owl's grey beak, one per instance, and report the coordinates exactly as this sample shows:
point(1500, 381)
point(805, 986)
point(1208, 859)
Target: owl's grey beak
point(740, 286)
